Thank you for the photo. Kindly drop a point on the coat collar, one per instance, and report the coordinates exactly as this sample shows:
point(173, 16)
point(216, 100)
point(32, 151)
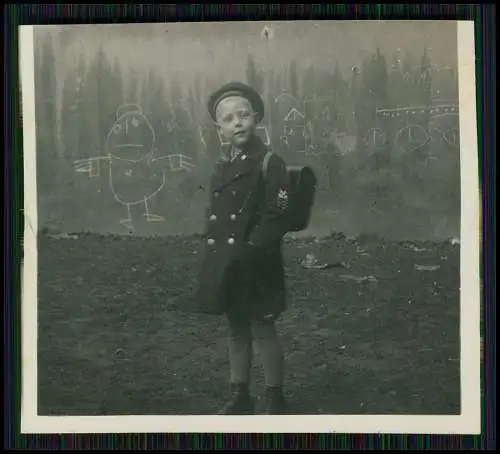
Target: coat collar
point(243, 164)
point(250, 149)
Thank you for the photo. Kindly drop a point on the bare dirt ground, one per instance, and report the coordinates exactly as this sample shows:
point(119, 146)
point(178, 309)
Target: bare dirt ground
point(114, 337)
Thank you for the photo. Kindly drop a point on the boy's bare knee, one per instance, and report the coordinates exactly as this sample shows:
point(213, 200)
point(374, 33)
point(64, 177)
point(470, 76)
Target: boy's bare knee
point(263, 329)
point(240, 330)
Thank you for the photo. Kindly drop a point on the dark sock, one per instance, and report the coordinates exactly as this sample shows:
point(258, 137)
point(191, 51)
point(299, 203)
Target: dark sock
point(270, 351)
point(241, 388)
point(275, 392)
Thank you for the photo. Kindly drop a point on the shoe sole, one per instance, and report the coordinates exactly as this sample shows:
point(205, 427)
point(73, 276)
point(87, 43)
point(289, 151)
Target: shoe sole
point(239, 413)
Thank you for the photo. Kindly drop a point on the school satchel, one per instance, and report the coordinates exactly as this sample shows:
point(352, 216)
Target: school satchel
point(302, 192)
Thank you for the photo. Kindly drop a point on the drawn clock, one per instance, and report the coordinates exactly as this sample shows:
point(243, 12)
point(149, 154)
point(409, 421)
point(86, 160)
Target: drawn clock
point(411, 138)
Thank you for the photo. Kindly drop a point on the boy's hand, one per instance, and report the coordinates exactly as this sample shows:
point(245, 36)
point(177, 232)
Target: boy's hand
point(246, 252)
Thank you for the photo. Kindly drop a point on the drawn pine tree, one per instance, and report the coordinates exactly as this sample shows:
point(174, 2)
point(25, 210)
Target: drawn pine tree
point(154, 105)
point(275, 123)
point(380, 81)
point(425, 79)
point(254, 77)
point(115, 90)
point(197, 91)
point(294, 79)
point(72, 124)
point(131, 92)
point(106, 84)
point(362, 86)
point(398, 77)
point(407, 63)
point(46, 111)
point(71, 112)
point(179, 117)
point(338, 101)
point(425, 94)
point(309, 85)
point(101, 96)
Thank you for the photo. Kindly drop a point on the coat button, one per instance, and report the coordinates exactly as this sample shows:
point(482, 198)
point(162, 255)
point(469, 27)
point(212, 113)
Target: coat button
point(216, 194)
point(213, 217)
point(233, 192)
point(233, 217)
point(231, 241)
point(211, 241)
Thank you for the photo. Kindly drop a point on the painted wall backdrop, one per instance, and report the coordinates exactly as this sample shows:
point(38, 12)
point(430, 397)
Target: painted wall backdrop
point(124, 143)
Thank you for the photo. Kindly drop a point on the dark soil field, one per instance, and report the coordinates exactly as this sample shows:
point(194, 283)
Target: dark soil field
point(378, 336)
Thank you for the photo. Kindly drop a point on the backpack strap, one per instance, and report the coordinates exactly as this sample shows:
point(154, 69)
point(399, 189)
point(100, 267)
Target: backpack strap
point(265, 163)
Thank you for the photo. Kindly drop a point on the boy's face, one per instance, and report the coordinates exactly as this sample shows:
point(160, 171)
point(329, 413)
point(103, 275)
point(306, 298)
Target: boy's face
point(236, 120)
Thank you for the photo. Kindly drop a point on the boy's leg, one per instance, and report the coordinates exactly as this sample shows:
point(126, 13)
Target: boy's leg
point(271, 354)
point(240, 349)
point(240, 361)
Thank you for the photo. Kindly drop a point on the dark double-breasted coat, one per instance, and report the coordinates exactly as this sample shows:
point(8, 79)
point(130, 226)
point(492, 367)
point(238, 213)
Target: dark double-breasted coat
point(242, 271)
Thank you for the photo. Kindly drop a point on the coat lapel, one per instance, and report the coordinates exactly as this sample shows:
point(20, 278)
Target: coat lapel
point(241, 166)
point(221, 168)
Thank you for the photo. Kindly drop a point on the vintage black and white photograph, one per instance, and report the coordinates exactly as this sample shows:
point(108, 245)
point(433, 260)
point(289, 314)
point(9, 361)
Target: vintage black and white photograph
point(251, 227)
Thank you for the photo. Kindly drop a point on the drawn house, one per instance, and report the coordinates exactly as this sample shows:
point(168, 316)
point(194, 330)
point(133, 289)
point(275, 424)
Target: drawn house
point(325, 115)
point(294, 131)
point(322, 122)
point(294, 116)
point(321, 129)
point(345, 143)
point(285, 105)
point(374, 138)
point(286, 101)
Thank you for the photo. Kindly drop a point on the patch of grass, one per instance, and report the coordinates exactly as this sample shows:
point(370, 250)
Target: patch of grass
point(114, 337)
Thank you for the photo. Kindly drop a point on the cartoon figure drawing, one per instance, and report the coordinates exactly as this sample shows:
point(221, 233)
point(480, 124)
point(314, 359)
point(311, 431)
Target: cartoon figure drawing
point(136, 171)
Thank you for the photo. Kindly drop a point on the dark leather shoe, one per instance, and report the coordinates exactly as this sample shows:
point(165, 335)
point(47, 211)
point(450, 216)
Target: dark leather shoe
point(240, 403)
point(275, 402)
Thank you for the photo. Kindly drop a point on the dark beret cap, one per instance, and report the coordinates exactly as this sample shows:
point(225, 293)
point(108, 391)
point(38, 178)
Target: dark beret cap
point(236, 89)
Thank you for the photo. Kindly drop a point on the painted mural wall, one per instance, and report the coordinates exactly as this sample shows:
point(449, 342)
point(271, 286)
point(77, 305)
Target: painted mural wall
point(124, 143)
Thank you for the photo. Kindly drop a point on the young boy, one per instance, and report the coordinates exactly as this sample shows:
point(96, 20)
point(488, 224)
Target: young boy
point(242, 274)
